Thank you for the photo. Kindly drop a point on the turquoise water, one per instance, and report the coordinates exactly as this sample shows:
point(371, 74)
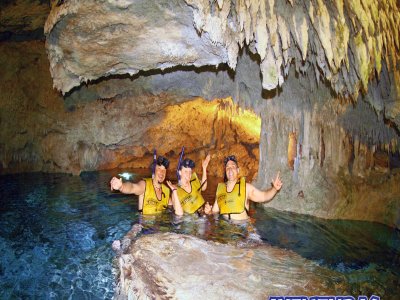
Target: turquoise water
point(56, 232)
point(368, 254)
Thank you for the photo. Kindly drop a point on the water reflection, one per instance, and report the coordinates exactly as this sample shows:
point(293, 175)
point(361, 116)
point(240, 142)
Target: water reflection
point(339, 244)
point(56, 232)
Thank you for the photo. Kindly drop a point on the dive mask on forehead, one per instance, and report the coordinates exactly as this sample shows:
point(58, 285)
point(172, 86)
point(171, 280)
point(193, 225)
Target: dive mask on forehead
point(163, 161)
point(232, 158)
point(188, 163)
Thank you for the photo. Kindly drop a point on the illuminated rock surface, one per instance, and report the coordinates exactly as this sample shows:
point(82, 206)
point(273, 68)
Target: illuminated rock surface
point(172, 266)
point(84, 134)
point(343, 43)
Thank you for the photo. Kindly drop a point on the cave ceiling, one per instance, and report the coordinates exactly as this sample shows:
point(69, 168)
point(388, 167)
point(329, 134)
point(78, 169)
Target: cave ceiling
point(345, 44)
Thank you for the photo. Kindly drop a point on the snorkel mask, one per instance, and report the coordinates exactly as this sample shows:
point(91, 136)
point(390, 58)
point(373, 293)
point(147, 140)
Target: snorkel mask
point(160, 161)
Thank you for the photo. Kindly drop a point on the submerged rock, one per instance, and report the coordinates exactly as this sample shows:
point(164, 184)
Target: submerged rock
point(175, 266)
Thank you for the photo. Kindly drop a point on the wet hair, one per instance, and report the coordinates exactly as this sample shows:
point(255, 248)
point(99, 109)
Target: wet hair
point(161, 161)
point(232, 158)
point(187, 163)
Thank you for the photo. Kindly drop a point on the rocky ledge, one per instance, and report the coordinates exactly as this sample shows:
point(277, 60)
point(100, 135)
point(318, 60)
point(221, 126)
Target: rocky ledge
point(176, 266)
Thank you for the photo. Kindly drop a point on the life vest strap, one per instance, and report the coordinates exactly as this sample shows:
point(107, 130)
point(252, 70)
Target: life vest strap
point(202, 185)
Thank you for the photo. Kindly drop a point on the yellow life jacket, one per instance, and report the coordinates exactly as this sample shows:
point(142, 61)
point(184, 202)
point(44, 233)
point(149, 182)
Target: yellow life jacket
point(232, 202)
point(151, 204)
point(192, 201)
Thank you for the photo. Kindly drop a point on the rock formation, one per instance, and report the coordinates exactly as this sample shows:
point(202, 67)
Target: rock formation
point(34, 142)
point(176, 266)
point(88, 131)
point(22, 20)
point(173, 266)
point(343, 43)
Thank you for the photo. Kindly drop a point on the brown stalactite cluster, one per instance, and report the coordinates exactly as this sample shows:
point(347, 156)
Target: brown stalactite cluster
point(343, 41)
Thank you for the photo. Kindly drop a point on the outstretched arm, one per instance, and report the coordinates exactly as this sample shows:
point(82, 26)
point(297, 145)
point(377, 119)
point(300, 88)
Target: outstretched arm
point(256, 195)
point(204, 175)
point(127, 187)
point(174, 200)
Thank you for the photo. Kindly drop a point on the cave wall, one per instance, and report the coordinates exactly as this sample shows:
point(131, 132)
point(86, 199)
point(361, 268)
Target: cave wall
point(23, 20)
point(116, 122)
point(341, 164)
point(338, 158)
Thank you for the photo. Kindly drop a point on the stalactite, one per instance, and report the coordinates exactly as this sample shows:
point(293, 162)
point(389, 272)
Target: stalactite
point(344, 41)
point(334, 34)
point(292, 149)
point(321, 148)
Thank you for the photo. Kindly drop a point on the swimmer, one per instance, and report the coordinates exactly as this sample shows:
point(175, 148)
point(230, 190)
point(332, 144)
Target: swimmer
point(188, 192)
point(233, 196)
point(154, 196)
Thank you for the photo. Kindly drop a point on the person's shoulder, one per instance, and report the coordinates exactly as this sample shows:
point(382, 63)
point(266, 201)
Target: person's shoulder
point(221, 184)
point(249, 186)
point(143, 181)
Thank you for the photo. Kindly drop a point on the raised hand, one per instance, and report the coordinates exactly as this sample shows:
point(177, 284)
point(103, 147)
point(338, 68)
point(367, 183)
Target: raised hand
point(206, 161)
point(277, 183)
point(207, 208)
point(171, 186)
point(116, 183)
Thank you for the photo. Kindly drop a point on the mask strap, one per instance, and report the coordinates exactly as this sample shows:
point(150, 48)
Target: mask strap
point(154, 164)
point(179, 165)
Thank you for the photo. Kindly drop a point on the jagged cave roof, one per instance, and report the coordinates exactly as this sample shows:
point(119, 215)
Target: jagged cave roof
point(344, 42)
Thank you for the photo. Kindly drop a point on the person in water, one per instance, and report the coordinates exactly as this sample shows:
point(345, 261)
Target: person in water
point(232, 196)
point(154, 196)
point(188, 192)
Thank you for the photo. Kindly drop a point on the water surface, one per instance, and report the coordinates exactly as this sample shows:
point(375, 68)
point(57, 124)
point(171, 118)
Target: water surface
point(56, 231)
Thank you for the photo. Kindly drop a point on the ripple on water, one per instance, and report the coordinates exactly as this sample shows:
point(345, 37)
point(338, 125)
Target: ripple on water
point(37, 197)
point(62, 205)
point(25, 273)
point(80, 236)
point(56, 232)
point(118, 231)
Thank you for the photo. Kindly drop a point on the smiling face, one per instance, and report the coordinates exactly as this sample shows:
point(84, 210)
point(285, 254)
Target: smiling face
point(232, 171)
point(159, 173)
point(186, 175)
